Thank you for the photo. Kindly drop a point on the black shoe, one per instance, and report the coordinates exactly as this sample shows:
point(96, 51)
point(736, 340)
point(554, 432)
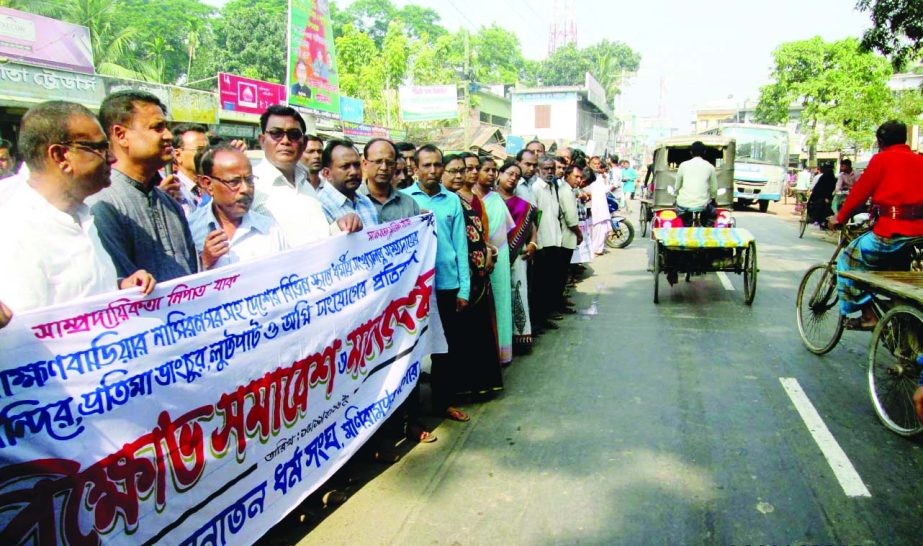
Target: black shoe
point(549, 326)
point(556, 316)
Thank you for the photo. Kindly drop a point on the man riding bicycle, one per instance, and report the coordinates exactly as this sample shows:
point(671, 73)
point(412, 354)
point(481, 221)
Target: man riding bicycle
point(696, 187)
point(894, 182)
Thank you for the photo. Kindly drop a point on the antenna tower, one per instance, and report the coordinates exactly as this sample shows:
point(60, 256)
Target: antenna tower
point(563, 29)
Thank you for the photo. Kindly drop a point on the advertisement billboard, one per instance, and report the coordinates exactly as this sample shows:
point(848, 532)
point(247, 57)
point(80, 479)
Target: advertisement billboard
point(41, 40)
point(248, 96)
point(312, 80)
point(427, 103)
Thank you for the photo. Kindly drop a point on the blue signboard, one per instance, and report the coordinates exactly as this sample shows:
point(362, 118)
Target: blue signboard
point(351, 109)
point(514, 144)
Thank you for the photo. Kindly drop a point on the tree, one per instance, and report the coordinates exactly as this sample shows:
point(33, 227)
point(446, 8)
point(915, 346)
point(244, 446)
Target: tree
point(842, 91)
point(421, 23)
point(566, 66)
point(166, 28)
point(609, 63)
point(371, 17)
point(245, 40)
point(897, 29)
point(497, 55)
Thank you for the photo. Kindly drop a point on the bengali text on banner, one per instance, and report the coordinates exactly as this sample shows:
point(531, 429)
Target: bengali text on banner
point(205, 412)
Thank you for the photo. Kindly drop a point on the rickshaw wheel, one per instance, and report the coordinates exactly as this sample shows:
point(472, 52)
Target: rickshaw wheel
point(817, 310)
point(750, 270)
point(657, 259)
point(643, 219)
point(897, 343)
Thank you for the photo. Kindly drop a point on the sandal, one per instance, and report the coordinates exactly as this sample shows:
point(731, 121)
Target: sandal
point(419, 434)
point(857, 325)
point(456, 414)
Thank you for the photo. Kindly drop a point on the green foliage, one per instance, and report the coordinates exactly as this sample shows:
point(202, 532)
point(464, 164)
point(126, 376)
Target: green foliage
point(497, 55)
point(566, 66)
point(246, 40)
point(839, 87)
point(897, 29)
point(609, 62)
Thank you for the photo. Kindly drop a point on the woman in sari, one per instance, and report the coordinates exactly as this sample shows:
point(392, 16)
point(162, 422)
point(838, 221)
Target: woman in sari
point(599, 211)
point(500, 223)
point(522, 246)
point(480, 354)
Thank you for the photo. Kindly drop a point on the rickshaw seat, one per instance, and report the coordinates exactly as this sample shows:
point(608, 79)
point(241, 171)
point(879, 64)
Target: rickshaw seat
point(702, 237)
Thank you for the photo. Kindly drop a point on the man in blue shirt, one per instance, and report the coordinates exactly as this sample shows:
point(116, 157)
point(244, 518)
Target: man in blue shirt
point(453, 280)
point(343, 172)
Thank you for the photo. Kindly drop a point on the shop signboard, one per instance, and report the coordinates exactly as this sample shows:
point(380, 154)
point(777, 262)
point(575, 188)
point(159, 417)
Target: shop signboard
point(45, 41)
point(33, 84)
point(352, 110)
point(313, 82)
point(192, 106)
point(184, 105)
point(427, 103)
point(239, 94)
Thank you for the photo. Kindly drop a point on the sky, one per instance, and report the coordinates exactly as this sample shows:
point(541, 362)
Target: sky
point(702, 51)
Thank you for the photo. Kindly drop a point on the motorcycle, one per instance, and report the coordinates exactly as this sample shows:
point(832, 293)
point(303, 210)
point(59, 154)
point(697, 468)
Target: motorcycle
point(623, 232)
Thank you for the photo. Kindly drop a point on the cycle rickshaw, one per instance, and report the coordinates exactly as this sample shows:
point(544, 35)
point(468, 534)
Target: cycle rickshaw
point(696, 249)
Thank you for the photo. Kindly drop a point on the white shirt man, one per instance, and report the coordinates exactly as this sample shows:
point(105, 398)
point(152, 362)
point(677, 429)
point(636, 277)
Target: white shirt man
point(298, 213)
point(258, 235)
point(54, 257)
point(549, 228)
point(696, 183)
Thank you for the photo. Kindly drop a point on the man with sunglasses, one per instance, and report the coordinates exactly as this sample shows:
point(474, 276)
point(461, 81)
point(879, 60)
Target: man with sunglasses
point(226, 231)
point(140, 225)
point(283, 190)
point(52, 253)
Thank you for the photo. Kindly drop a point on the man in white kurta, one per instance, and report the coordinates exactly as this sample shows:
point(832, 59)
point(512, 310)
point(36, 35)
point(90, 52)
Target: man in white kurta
point(599, 212)
point(52, 252)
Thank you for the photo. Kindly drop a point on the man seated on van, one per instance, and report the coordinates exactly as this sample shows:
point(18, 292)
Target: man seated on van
point(696, 187)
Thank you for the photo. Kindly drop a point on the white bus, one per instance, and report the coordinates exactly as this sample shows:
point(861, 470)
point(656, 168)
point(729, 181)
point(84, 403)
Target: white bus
point(761, 164)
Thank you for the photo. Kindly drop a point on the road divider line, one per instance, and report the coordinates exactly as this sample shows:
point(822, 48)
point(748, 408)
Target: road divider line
point(725, 281)
point(843, 469)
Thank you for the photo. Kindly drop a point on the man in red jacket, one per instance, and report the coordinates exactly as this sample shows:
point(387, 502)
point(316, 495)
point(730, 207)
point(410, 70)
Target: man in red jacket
point(894, 181)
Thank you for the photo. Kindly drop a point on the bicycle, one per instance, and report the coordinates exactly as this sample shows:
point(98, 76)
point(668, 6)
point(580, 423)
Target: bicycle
point(820, 324)
point(896, 347)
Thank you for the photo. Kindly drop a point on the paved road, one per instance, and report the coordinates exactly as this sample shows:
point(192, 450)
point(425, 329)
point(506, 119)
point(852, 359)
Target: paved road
point(638, 423)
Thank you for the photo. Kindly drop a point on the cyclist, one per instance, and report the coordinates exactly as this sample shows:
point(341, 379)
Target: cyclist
point(696, 187)
point(894, 182)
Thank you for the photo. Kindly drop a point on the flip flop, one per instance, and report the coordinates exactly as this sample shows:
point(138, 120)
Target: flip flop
point(420, 435)
point(457, 415)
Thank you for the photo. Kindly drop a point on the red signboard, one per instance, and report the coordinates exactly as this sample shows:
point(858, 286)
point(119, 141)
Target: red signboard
point(248, 96)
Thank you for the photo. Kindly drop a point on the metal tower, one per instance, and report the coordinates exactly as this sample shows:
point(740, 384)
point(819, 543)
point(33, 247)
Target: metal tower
point(563, 29)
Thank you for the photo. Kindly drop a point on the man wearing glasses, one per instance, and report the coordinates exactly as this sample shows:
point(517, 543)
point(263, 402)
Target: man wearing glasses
point(141, 226)
point(283, 190)
point(226, 231)
point(379, 163)
point(53, 253)
point(188, 139)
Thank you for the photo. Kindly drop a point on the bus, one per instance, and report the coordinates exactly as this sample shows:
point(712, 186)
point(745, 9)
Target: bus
point(762, 160)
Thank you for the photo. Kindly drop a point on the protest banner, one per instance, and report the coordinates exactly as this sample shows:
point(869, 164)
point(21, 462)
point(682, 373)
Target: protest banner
point(206, 411)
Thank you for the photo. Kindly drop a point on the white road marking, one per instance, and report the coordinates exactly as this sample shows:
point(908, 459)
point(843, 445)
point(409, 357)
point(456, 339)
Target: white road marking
point(842, 468)
point(725, 281)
